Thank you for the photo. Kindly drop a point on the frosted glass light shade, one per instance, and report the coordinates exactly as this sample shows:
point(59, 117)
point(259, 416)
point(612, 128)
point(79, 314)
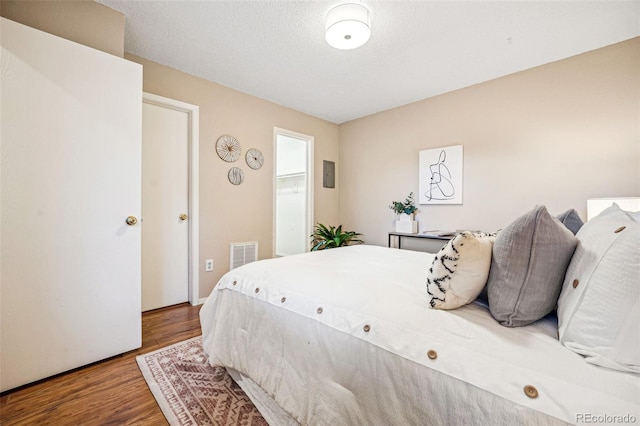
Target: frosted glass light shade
point(596, 205)
point(348, 26)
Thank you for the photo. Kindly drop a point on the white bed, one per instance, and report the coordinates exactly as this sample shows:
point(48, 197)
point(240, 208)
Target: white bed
point(343, 337)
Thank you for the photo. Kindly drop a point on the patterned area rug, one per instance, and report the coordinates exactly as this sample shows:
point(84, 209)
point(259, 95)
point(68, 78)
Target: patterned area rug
point(191, 392)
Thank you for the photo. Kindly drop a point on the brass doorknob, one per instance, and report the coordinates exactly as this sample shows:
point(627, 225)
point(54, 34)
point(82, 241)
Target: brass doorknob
point(183, 217)
point(131, 220)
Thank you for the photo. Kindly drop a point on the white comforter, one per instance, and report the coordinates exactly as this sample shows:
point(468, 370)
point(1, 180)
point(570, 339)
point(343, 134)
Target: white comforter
point(341, 337)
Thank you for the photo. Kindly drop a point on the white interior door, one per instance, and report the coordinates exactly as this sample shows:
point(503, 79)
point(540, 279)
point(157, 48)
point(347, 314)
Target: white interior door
point(71, 156)
point(165, 206)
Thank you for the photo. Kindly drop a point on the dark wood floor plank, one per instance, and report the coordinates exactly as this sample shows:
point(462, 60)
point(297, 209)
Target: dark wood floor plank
point(110, 392)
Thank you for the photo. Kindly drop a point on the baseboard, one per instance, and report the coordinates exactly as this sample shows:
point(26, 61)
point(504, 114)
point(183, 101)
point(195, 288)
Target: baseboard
point(202, 300)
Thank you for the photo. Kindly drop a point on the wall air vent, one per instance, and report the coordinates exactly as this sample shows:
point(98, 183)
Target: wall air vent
point(242, 253)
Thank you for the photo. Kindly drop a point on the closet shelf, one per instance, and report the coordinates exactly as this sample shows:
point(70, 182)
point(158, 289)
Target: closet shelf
point(290, 175)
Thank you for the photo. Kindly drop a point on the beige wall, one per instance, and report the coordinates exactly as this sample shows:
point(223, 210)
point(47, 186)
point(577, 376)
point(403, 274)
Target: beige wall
point(83, 21)
point(241, 213)
point(556, 135)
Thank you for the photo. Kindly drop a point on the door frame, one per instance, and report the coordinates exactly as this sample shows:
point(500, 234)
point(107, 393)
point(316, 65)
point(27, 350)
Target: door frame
point(310, 181)
point(193, 112)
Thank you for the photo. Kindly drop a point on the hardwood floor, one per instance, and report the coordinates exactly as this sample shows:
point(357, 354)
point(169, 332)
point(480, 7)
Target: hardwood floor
point(110, 392)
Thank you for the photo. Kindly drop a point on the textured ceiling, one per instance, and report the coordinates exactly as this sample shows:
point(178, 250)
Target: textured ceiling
point(275, 50)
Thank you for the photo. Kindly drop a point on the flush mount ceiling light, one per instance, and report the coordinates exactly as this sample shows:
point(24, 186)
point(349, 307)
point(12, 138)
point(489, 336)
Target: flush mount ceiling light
point(347, 26)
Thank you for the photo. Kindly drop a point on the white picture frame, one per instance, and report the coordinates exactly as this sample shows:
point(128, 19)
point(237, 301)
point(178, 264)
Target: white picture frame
point(440, 175)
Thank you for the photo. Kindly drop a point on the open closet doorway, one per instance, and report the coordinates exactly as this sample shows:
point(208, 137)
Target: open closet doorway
point(293, 192)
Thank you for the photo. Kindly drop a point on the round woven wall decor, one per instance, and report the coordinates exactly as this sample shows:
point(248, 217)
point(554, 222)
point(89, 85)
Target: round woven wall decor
point(254, 158)
point(228, 148)
point(236, 175)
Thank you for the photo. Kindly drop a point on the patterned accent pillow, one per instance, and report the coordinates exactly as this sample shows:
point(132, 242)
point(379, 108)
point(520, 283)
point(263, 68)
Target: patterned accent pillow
point(459, 270)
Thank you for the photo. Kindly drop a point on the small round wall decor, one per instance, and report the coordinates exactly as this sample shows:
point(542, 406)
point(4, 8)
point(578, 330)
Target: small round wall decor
point(236, 175)
point(254, 158)
point(228, 148)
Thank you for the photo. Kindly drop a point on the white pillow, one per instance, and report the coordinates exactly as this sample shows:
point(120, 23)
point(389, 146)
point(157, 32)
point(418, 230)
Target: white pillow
point(599, 306)
point(459, 270)
point(634, 215)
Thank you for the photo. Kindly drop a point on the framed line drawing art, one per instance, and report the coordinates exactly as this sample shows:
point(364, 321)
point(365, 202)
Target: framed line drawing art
point(440, 175)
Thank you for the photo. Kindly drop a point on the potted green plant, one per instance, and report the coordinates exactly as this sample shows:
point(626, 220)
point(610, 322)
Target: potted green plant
point(332, 237)
point(405, 210)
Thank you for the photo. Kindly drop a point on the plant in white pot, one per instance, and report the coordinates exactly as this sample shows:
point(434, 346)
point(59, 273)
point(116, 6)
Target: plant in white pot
point(405, 210)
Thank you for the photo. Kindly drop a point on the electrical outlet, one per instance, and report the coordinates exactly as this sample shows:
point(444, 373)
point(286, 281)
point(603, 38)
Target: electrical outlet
point(208, 265)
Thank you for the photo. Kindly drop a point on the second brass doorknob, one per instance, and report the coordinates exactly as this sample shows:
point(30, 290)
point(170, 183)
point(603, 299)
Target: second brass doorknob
point(183, 217)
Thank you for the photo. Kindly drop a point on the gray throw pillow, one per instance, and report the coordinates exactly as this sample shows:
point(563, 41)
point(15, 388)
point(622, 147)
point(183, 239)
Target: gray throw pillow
point(530, 259)
point(571, 219)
